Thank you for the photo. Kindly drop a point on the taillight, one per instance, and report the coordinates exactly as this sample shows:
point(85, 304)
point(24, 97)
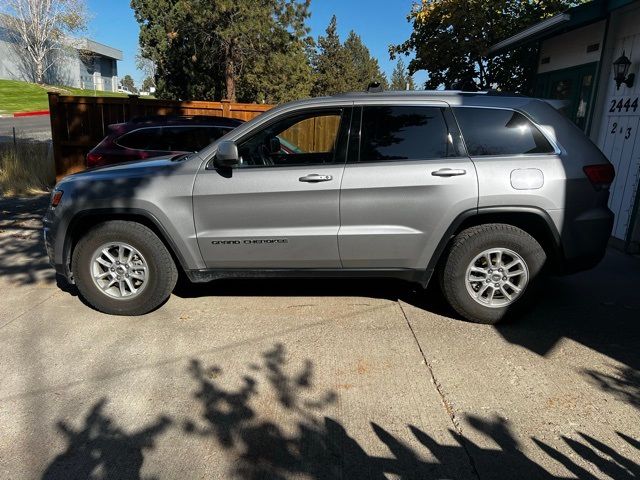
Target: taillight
point(600, 176)
point(56, 197)
point(94, 159)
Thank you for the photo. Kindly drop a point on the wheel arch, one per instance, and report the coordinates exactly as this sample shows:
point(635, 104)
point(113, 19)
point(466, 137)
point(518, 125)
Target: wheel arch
point(84, 220)
point(535, 221)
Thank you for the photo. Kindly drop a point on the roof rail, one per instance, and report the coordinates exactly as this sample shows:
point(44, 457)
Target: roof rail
point(498, 93)
point(156, 118)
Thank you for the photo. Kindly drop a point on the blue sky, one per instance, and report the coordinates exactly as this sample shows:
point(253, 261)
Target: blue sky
point(376, 21)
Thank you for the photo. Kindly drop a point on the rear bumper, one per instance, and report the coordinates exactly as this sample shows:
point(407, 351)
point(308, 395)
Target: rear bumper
point(585, 240)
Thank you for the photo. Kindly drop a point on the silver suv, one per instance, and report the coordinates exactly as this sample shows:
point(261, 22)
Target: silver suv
point(482, 191)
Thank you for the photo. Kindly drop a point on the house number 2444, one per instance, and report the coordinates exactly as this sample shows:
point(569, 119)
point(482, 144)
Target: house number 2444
point(624, 105)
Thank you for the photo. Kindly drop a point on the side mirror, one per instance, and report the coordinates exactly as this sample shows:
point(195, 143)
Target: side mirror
point(227, 155)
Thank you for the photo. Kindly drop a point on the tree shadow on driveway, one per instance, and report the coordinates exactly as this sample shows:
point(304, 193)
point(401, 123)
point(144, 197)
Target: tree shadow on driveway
point(320, 447)
point(24, 258)
point(101, 449)
point(271, 425)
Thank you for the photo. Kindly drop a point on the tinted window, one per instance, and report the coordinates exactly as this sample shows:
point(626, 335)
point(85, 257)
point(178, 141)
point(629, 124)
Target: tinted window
point(142, 139)
point(305, 139)
point(404, 133)
point(188, 139)
point(500, 132)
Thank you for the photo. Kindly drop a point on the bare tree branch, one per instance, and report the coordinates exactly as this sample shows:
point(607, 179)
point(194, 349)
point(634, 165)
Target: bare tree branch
point(39, 29)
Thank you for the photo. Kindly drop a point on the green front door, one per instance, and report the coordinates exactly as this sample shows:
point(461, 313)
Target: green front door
point(576, 85)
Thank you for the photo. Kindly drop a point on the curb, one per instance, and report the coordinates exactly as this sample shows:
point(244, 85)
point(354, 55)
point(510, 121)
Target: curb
point(31, 114)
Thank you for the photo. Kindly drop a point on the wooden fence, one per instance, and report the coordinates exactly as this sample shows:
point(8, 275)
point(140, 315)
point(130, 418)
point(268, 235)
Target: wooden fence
point(79, 123)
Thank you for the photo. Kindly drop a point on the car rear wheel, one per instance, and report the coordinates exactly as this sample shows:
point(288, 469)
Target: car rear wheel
point(490, 271)
point(123, 268)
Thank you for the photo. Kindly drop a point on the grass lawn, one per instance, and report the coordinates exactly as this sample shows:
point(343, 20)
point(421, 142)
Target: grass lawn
point(88, 93)
point(16, 96)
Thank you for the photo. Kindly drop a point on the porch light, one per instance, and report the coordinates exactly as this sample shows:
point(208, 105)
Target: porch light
point(620, 71)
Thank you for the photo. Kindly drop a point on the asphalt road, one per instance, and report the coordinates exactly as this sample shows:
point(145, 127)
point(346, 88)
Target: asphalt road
point(314, 379)
point(37, 127)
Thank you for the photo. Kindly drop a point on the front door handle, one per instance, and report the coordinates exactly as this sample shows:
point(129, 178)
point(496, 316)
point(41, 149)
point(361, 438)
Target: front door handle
point(315, 178)
point(449, 172)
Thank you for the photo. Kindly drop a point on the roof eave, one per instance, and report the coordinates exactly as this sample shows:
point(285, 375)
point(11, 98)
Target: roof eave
point(530, 34)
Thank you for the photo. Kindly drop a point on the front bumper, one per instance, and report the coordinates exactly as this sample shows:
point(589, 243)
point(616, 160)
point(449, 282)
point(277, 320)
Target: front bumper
point(55, 254)
point(48, 244)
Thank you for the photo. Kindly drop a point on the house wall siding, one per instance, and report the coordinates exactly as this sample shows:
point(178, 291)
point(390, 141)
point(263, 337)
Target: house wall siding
point(570, 49)
point(618, 124)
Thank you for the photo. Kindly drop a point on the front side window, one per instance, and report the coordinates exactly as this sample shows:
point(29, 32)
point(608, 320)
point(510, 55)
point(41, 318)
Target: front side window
point(404, 133)
point(303, 139)
point(489, 131)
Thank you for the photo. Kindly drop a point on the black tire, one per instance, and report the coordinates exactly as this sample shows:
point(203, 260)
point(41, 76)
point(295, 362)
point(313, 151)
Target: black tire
point(162, 272)
point(472, 242)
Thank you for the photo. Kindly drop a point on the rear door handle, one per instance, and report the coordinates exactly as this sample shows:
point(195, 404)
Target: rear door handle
point(315, 178)
point(449, 172)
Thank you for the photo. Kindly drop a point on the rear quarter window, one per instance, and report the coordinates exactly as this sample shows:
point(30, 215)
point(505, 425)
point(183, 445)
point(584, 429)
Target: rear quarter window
point(189, 138)
point(141, 139)
point(489, 131)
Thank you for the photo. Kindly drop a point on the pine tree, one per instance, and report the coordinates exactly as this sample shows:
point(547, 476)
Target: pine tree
point(364, 69)
point(128, 83)
point(330, 63)
point(343, 67)
point(400, 79)
point(233, 49)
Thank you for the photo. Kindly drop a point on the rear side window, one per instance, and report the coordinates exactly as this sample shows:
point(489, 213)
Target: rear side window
point(404, 133)
point(489, 131)
point(188, 139)
point(142, 139)
point(172, 139)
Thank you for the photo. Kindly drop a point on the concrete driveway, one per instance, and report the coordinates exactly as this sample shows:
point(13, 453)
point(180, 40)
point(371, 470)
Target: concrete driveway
point(314, 379)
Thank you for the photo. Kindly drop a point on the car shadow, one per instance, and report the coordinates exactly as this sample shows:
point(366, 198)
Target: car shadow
point(599, 308)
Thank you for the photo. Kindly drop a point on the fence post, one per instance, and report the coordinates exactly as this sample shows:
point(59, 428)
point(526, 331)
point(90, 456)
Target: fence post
point(134, 110)
point(226, 108)
point(54, 116)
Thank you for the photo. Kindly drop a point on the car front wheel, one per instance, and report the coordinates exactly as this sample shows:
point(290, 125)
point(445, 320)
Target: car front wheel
point(123, 268)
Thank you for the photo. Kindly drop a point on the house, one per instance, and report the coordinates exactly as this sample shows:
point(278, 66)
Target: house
point(88, 64)
point(589, 56)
